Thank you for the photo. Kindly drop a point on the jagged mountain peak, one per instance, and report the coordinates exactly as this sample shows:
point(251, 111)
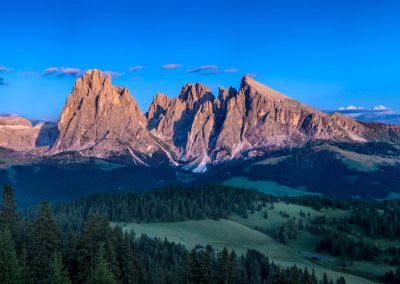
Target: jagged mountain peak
point(194, 92)
point(253, 86)
point(101, 120)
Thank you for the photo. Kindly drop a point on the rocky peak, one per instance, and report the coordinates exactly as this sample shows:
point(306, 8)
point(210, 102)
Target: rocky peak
point(252, 87)
point(195, 94)
point(100, 119)
point(157, 108)
point(225, 94)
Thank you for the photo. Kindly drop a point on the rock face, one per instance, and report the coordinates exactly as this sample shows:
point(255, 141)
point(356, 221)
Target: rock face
point(193, 130)
point(203, 129)
point(19, 134)
point(101, 120)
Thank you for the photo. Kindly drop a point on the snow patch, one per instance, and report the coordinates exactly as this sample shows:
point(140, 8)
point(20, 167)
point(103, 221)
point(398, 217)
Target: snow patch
point(173, 162)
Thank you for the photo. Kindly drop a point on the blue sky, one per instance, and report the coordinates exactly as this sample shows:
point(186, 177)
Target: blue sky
point(328, 54)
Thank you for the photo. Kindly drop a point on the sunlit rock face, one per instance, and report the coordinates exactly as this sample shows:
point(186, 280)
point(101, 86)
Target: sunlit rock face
point(19, 134)
point(101, 120)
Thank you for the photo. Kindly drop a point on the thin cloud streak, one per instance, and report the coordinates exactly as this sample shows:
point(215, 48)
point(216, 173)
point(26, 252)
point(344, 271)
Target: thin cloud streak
point(50, 70)
point(62, 71)
point(135, 68)
point(69, 71)
point(171, 66)
point(113, 73)
point(4, 68)
point(230, 70)
point(203, 68)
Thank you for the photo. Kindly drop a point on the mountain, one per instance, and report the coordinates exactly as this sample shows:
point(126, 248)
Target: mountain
point(100, 120)
point(192, 131)
point(19, 134)
point(203, 129)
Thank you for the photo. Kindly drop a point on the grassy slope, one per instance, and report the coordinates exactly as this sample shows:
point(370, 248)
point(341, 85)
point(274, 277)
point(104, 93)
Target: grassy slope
point(267, 187)
point(238, 233)
point(362, 162)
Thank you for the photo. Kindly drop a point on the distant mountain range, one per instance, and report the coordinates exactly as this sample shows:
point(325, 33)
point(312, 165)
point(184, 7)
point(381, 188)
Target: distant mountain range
point(192, 131)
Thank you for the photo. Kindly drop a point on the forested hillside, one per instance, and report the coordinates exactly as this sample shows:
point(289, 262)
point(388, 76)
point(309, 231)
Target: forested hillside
point(39, 250)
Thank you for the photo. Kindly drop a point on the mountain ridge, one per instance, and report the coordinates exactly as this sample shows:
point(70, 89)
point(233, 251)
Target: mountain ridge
point(193, 130)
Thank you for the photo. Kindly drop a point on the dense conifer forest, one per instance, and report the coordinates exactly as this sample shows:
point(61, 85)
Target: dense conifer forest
point(36, 247)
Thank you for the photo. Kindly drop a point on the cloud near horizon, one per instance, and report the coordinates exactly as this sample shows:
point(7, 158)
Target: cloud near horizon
point(379, 113)
point(171, 66)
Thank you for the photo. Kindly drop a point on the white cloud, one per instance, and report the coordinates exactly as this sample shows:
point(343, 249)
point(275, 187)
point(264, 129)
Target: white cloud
point(380, 107)
point(351, 107)
point(379, 113)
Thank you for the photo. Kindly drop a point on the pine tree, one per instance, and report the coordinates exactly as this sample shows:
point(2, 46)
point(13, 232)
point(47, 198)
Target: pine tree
point(223, 274)
point(233, 268)
point(193, 267)
point(95, 232)
point(25, 271)
point(8, 215)
point(138, 265)
point(102, 273)
point(58, 274)
point(206, 273)
point(9, 266)
point(129, 273)
point(46, 240)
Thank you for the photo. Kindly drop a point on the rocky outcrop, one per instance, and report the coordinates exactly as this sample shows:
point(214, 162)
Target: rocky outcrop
point(19, 134)
point(102, 120)
point(249, 122)
point(176, 118)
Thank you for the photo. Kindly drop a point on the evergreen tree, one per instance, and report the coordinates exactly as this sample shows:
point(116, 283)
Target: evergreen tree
point(9, 266)
point(58, 274)
point(137, 264)
point(129, 273)
point(25, 271)
point(193, 267)
point(206, 273)
point(95, 232)
point(102, 273)
point(8, 215)
point(45, 242)
point(233, 268)
point(224, 268)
